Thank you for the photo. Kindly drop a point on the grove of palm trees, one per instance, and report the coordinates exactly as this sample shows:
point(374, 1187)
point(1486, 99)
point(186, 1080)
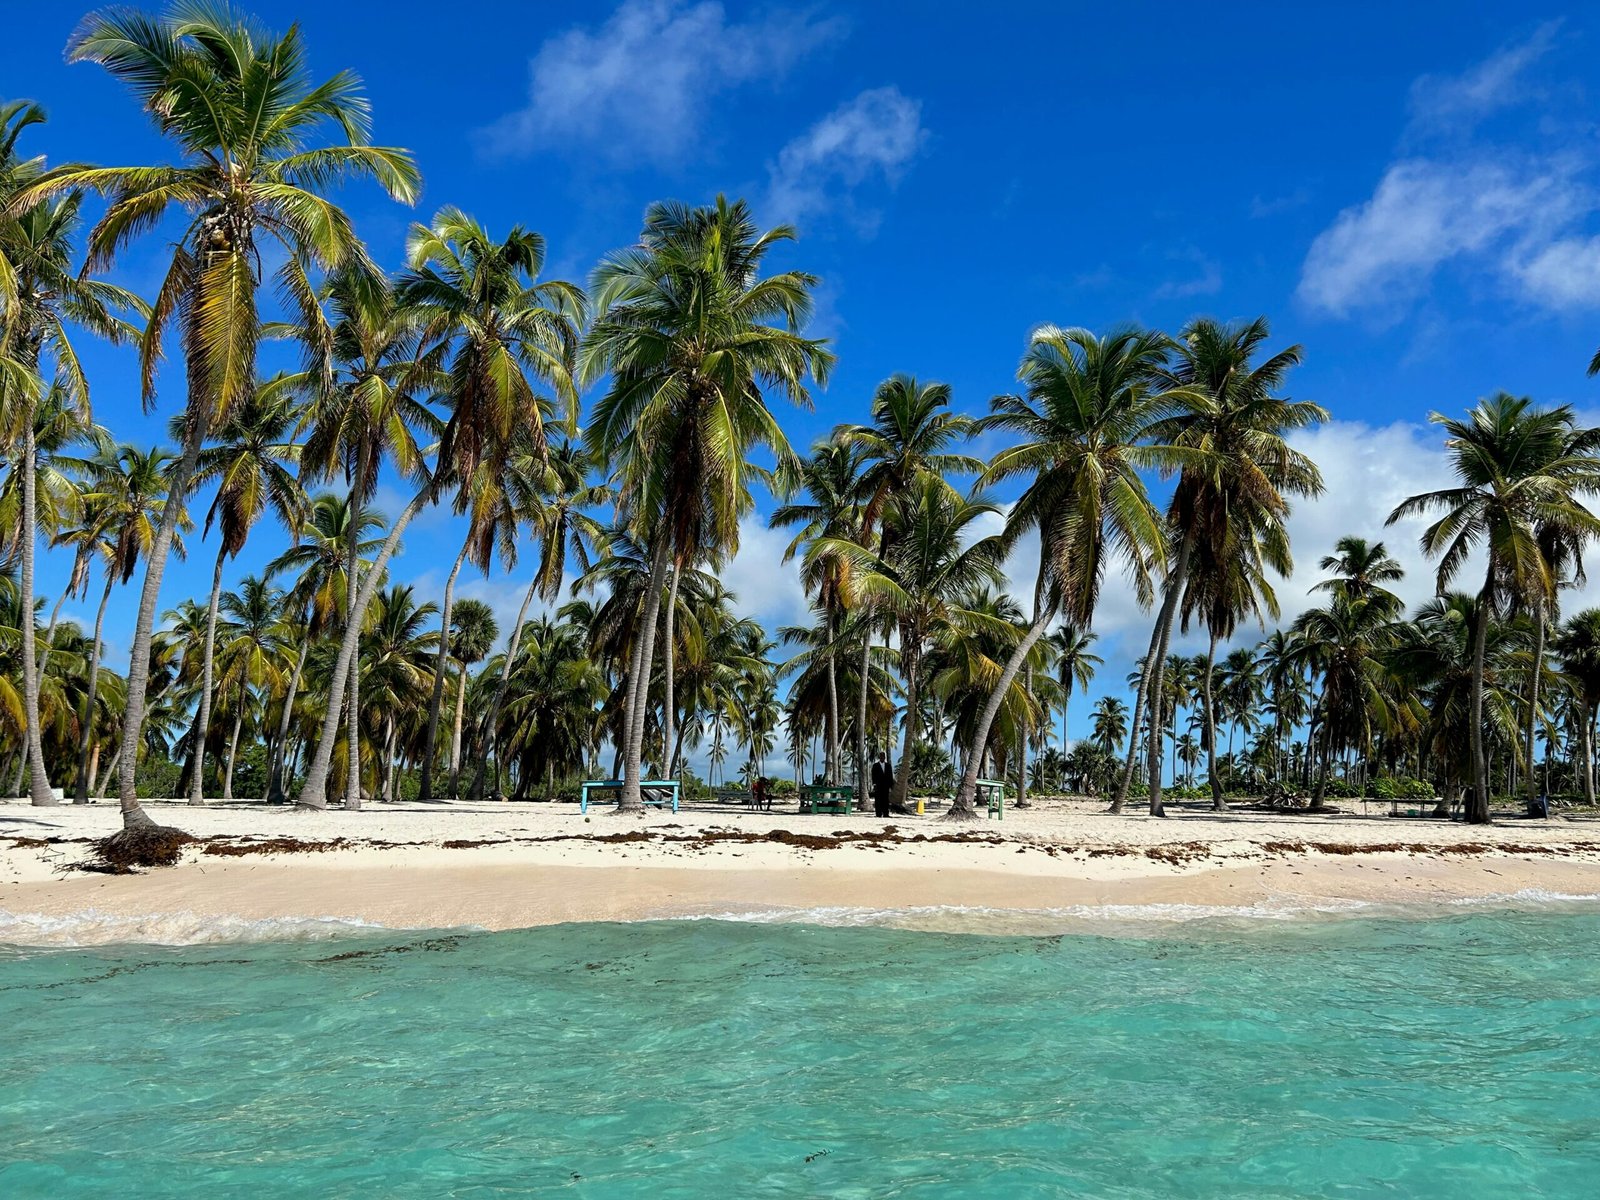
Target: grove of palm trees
point(614, 432)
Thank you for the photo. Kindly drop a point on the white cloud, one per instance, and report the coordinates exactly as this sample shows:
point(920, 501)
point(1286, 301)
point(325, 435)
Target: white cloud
point(1563, 274)
point(1381, 254)
point(764, 586)
point(873, 137)
point(1442, 101)
point(641, 84)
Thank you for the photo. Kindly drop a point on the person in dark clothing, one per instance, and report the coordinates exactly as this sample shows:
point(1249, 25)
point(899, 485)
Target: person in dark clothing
point(882, 785)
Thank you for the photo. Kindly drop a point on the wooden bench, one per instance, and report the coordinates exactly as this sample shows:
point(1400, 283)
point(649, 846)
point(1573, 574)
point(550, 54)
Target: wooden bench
point(657, 793)
point(829, 798)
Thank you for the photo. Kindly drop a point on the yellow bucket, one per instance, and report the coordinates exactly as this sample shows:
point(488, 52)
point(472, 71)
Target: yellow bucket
point(919, 806)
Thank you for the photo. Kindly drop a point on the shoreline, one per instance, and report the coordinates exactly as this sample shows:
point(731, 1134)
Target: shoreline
point(496, 866)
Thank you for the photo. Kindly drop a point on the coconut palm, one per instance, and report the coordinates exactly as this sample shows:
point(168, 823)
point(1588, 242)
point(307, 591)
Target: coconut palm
point(253, 656)
point(129, 497)
point(1110, 723)
point(240, 106)
point(250, 463)
point(1086, 424)
point(472, 633)
point(692, 337)
point(1075, 665)
point(1359, 571)
point(1577, 647)
point(41, 299)
point(1518, 466)
point(397, 662)
point(1239, 474)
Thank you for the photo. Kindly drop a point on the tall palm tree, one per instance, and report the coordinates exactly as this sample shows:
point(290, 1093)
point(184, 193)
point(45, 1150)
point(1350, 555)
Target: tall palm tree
point(1110, 723)
point(1518, 466)
point(240, 107)
point(692, 336)
point(129, 496)
point(472, 634)
point(1076, 664)
point(1359, 571)
point(923, 580)
point(398, 664)
point(1577, 646)
point(41, 299)
point(1087, 422)
point(508, 333)
point(253, 656)
point(250, 462)
point(1239, 474)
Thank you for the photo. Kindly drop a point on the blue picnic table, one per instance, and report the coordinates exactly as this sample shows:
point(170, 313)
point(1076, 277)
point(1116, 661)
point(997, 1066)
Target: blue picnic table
point(657, 793)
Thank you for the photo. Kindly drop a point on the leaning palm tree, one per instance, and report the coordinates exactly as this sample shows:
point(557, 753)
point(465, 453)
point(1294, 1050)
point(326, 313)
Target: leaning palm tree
point(129, 495)
point(1087, 424)
point(1239, 474)
point(242, 110)
point(41, 299)
point(692, 336)
point(1518, 466)
point(250, 463)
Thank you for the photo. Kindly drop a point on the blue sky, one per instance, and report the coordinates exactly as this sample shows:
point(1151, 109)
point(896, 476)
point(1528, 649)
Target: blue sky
point(1411, 191)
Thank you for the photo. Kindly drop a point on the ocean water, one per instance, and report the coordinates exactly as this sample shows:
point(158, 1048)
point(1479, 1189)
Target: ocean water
point(1452, 1056)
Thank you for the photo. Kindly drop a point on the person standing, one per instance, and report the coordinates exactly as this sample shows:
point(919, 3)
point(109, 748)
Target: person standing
point(882, 785)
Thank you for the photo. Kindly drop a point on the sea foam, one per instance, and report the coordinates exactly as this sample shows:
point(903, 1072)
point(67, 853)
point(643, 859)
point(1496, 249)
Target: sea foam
point(92, 927)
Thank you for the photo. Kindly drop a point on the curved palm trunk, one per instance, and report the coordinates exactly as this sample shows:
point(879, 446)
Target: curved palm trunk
point(861, 714)
point(352, 735)
point(631, 801)
point(455, 736)
point(48, 640)
point(962, 808)
point(669, 738)
point(1150, 684)
point(314, 792)
point(386, 792)
point(913, 731)
point(133, 816)
point(440, 662)
point(86, 727)
point(491, 720)
point(1478, 810)
point(233, 747)
point(1217, 803)
point(38, 778)
point(831, 767)
point(1586, 752)
point(202, 719)
point(281, 750)
point(1532, 789)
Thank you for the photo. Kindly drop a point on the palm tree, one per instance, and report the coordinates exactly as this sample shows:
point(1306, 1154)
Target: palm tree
point(472, 633)
point(508, 333)
point(1577, 646)
point(691, 335)
point(1360, 569)
point(239, 105)
point(250, 463)
point(252, 656)
point(1075, 665)
point(40, 299)
point(1239, 472)
point(1087, 425)
point(923, 580)
point(1518, 466)
point(398, 665)
point(1110, 723)
point(129, 497)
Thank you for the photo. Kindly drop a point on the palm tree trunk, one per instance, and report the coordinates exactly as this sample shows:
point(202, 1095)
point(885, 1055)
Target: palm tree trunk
point(670, 712)
point(913, 730)
point(133, 816)
point(1586, 752)
point(631, 800)
point(491, 722)
point(861, 713)
point(39, 790)
point(962, 808)
point(1533, 706)
point(352, 735)
point(386, 792)
point(441, 660)
point(314, 792)
point(1478, 810)
point(48, 639)
point(1149, 692)
point(86, 729)
point(111, 769)
point(280, 751)
point(1211, 730)
point(455, 737)
point(831, 769)
point(203, 715)
point(233, 746)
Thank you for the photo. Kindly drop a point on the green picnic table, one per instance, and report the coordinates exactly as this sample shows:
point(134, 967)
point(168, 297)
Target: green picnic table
point(992, 792)
point(830, 798)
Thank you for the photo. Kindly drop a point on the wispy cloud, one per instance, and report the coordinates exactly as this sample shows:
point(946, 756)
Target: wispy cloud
point(1205, 280)
point(640, 85)
point(870, 139)
point(1513, 216)
point(1499, 81)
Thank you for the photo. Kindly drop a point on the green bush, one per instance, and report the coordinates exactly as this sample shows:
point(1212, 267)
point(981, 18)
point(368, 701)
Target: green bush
point(1417, 789)
point(1341, 789)
point(157, 779)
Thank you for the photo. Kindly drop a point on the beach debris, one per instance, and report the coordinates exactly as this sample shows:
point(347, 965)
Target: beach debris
point(137, 846)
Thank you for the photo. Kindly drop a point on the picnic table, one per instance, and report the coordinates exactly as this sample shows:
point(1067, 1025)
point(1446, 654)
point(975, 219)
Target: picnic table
point(731, 795)
point(824, 797)
point(657, 793)
point(992, 792)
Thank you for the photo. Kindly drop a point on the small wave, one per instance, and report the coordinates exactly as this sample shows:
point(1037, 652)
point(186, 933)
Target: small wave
point(94, 928)
point(1527, 896)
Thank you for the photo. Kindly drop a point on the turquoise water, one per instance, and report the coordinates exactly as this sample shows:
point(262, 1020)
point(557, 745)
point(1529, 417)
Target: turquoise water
point(1455, 1057)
